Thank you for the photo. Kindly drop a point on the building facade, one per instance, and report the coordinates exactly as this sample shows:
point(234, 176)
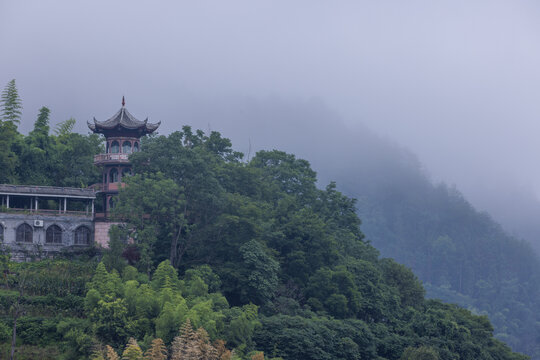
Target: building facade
point(40, 221)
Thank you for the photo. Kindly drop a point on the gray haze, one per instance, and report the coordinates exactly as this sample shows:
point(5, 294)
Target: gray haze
point(456, 82)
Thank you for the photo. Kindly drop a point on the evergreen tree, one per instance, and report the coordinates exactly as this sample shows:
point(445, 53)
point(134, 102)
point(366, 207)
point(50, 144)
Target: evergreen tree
point(157, 350)
point(110, 354)
point(133, 351)
point(8, 158)
point(222, 351)
point(208, 352)
point(97, 353)
point(41, 126)
point(185, 346)
point(11, 104)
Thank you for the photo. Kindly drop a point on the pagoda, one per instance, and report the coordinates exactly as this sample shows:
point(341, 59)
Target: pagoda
point(122, 136)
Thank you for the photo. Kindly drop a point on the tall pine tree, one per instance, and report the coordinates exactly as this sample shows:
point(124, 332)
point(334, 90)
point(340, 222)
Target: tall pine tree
point(11, 104)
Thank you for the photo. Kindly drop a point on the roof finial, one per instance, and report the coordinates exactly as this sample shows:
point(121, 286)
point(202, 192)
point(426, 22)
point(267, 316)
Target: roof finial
point(123, 102)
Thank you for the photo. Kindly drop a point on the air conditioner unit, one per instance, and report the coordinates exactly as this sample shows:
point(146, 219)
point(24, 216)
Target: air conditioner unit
point(38, 223)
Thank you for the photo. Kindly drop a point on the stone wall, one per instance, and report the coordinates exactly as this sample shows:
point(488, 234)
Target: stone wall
point(101, 232)
point(38, 247)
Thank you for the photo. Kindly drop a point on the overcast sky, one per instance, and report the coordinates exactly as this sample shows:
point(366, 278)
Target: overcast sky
point(457, 82)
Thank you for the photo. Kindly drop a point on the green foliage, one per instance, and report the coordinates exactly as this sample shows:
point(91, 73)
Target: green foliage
point(132, 351)
point(5, 331)
point(275, 240)
point(220, 240)
point(421, 353)
point(63, 159)
point(460, 254)
point(11, 104)
point(119, 309)
point(262, 280)
point(112, 258)
point(65, 128)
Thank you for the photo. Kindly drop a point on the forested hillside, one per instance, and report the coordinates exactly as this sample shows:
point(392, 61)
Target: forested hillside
point(222, 258)
point(461, 255)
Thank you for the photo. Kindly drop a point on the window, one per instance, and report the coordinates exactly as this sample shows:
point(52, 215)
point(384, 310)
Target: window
point(136, 147)
point(82, 236)
point(115, 147)
point(113, 175)
point(126, 147)
point(24, 233)
point(53, 235)
point(107, 148)
point(1, 233)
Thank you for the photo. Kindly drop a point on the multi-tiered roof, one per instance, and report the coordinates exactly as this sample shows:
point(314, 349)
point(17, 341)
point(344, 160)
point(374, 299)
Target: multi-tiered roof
point(124, 124)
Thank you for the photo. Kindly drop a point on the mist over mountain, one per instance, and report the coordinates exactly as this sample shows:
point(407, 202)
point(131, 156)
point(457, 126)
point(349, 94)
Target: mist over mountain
point(462, 255)
point(426, 112)
point(314, 131)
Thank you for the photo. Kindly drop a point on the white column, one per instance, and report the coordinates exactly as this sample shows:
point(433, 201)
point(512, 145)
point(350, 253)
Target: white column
point(36, 203)
point(92, 207)
point(7, 202)
point(65, 205)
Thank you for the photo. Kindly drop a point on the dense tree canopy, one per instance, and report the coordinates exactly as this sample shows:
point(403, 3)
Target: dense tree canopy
point(253, 255)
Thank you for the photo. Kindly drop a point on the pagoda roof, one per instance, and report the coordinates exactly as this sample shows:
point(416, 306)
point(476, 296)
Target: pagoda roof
point(123, 120)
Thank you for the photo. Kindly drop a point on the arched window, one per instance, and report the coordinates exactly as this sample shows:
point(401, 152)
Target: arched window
point(82, 236)
point(53, 235)
point(24, 233)
point(1, 233)
point(115, 147)
point(113, 175)
point(136, 147)
point(126, 147)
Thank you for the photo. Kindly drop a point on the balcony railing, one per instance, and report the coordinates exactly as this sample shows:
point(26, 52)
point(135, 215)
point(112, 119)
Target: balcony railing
point(49, 212)
point(111, 158)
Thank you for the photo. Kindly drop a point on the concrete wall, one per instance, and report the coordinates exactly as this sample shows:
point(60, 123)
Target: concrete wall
point(68, 224)
point(101, 233)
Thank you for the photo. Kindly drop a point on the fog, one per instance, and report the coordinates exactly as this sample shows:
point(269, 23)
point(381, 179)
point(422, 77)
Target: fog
point(455, 82)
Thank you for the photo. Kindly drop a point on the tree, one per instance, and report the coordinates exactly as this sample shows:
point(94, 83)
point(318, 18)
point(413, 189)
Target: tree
point(258, 356)
point(10, 115)
point(157, 350)
point(420, 353)
point(208, 351)
point(17, 311)
point(65, 127)
point(41, 126)
point(154, 207)
point(263, 272)
point(132, 351)
point(193, 345)
point(222, 351)
point(11, 104)
point(185, 345)
point(110, 354)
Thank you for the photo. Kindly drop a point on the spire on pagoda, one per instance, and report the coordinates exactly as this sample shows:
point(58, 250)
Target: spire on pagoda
point(123, 124)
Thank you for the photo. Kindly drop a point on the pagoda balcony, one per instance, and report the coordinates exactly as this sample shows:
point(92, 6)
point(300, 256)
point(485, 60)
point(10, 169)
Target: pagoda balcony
point(107, 187)
point(101, 159)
